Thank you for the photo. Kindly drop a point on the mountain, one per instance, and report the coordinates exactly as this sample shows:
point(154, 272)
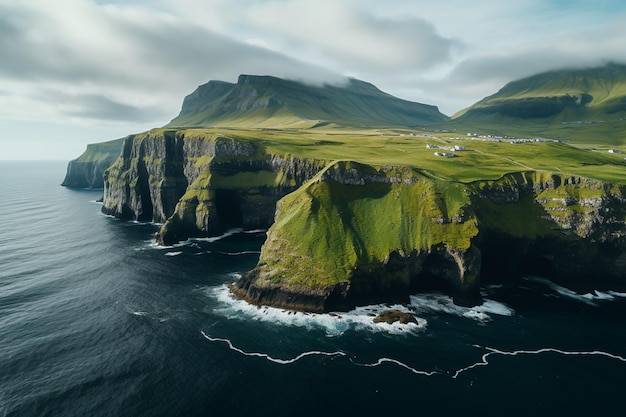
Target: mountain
point(265, 101)
point(566, 95)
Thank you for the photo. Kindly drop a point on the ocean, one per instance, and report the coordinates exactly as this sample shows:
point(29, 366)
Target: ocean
point(97, 320)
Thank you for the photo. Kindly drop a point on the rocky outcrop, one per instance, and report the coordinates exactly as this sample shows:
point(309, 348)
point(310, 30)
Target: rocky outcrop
point(87, 171)
point(395, 316)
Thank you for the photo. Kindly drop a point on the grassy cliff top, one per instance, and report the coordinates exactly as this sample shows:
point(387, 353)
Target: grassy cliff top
point(480, 158)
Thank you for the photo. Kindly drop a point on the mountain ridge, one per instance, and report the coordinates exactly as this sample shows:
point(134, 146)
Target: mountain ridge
point(587, 93)
point(266, 101)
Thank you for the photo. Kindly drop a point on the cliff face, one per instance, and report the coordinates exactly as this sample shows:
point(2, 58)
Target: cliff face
point(199, 185)
point(87, 170)
point(568, 228)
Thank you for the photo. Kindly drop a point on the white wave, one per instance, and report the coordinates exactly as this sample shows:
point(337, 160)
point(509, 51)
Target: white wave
point(174, 253)
point(338, 353)
point(216, 238)
point(599, 295)
point(334, 324)
point(268, 357)
point(454, 374)
point(440, 303)
point(139, 313)
point(255, 231)
point(245, 252)
point(153, 244)
point(492, 351)
point(395, 362)
point(590, 298)
point(192, 241)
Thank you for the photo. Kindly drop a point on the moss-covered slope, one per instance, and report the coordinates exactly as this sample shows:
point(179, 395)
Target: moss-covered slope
point(356, 234)
point(586, 106)
point(576, 94)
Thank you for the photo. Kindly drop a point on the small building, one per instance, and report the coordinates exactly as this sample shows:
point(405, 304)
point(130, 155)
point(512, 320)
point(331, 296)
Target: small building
point(445, 155)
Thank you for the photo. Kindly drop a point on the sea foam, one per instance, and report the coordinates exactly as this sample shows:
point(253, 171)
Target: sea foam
point(591, 298)
point(334, 324)
point(440, 303)
point(454, 374)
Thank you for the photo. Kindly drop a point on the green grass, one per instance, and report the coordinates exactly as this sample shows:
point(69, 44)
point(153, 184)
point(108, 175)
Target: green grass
point(547, 105)
point(427, 200)
point(361, 225)
point(480, 161)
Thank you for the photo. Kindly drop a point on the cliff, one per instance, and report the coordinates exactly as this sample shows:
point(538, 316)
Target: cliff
point(87, 171)
point(343, 233)
point(393, 230)
point(198, 183)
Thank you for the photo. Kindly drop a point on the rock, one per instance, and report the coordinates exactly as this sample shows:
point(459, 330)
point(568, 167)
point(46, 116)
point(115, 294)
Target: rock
point(393, 316)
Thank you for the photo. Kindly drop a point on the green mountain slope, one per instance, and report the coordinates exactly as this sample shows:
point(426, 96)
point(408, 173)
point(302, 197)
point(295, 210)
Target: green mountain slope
point(583, 106)
point(264, 101)
point(567, 95)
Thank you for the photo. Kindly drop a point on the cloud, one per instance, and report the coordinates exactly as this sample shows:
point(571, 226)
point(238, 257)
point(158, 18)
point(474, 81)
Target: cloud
point(119, 59)
point(130, 63)
point(483, 74)
point(351, 38)
point(100, 107)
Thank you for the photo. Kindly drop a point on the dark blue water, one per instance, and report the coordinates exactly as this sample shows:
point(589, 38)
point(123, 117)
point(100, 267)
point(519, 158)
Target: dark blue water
point(95, 320)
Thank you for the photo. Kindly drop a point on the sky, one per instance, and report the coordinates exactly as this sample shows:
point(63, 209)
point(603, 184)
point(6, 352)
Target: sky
point(74, 72)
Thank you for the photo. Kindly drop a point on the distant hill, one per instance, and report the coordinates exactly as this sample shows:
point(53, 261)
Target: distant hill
point(86, 171)
point(566, 95)
point(584, 106)
point(265, 101)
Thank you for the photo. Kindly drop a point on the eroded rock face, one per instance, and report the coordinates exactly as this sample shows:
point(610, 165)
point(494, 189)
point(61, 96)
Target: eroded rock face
point(147, 179)
point(199, 185)
point(567, 228)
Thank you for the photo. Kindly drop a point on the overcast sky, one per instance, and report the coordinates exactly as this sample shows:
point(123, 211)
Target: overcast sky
point(74, 72)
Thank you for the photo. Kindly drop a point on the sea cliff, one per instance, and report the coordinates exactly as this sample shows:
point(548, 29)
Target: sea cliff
point(199, 184)
point(87, 171)
point(343, 233)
